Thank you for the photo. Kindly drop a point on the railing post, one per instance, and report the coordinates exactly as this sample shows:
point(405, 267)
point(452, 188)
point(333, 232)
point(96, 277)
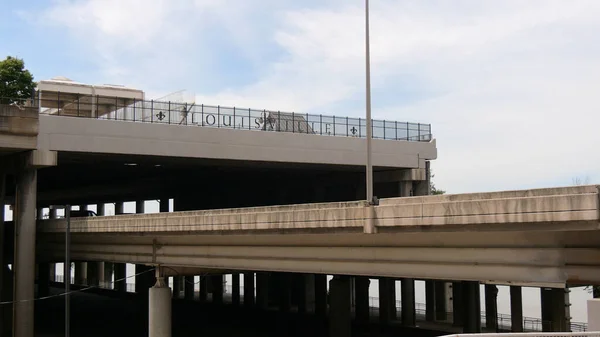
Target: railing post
point(78, 99)
point(218, 116)
point(152, 111)
point(249, 119)
point(202, 113)
point(419, 132)
point(58, 103)
point(307, 123)
point(396, 128)
point(407, 131)
point(293, 122)
point(359, 128)
point(234, 118)
point(134, 109)
point(384, 129)
point(346, 126)
point(169, 107)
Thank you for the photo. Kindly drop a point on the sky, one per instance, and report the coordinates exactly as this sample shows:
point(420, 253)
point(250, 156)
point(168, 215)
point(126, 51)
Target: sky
point(510, 87)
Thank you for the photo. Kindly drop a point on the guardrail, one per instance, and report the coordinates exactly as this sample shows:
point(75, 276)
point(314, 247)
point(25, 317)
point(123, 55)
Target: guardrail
point(192, 114)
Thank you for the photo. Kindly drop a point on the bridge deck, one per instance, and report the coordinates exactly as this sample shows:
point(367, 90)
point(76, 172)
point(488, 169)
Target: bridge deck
point(544, 237)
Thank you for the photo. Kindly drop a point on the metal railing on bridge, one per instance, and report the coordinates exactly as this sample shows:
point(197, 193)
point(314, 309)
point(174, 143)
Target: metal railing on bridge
point(192, 114)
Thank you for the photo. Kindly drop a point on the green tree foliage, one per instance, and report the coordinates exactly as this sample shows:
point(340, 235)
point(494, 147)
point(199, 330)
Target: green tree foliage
point(16, 82)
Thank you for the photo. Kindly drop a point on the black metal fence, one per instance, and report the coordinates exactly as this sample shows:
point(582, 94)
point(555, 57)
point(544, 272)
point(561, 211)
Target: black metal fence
point(101, 107)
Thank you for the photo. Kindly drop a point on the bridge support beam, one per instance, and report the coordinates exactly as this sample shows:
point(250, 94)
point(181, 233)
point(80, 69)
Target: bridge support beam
point(555, 310)
point(262, 290)
point(120, 284)
point(430, 300)
point(235, 289)
point(387, 300)
point(472, 307)
point(188, 287)
point(80, 273)
point(491, 307)
point(321, 295)
point(441, 300)
point(516, 309)
point(340, 314)
point(24, 266)
point(203, 288)
point(93, 273)
point(409, 313)
point(159, 309)
point(217, 289)
point(361, 294)
point(457, 304)
point(249, 289)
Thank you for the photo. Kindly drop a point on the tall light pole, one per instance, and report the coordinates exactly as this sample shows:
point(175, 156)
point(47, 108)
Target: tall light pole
point(368, 100)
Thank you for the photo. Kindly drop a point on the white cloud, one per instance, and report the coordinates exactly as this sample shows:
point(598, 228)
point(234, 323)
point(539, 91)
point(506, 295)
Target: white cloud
point(510, 87)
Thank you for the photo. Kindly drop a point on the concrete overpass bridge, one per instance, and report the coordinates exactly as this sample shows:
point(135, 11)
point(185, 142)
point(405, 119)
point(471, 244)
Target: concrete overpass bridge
point(544, 237)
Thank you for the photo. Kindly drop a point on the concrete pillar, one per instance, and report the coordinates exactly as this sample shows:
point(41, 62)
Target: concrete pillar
point(159, 309)
point(120, 277)
point(387, 300)
point(80, 273)
point(457, 304)
point(516, 309)
point(176, 286)
point(406, 188)
point(441, 301)
point(106, 270)
point(409, 314)
point(235, 289)
point(188, 287)
point(262, 290)
point(429, 300)
point(340, 313)
point(140, 207)
point(361, 294)
point(217, 289)
point(203, 288)
point(93, 273)
point(300, 292)
point(101, 209)
point(164, 205)
point(119, 208)
point(24, 266)
point(555, 310)
point(321, 295)
point(43, 279)
point(143, 280)
point(285, 292)
point(249, 289)
point(472, 307)
point(53, 213)
point(491, 307)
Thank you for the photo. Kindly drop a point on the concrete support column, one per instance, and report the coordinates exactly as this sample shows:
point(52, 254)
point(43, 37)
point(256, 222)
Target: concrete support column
point(409, 314)
point(235, 289)
point(262, 290)
point(120, 277)
point(593, 314)
point(555, 310)
point(140, 207)
point(101, 209)
point(106, 268)
point(340, 314)
point(53, 213)
point(119, 208)
point(80, 273)
point(217, 289)
point(441, 300)
point(249, 289)
point(163, 205)
point(299, 297)
point(457, 304)
point(430, 300)
point(24, 266)
point(203, 288)
point(143, 279)
point(361, 294)
point(176, 286)
point(188, 287)
point(472, 307)
point(159, 309)
point(321, 295)
point(491, 307)
point(516, 309)
point(387, 300)
point(285, 292)
point(93, 273)
point(43, 279)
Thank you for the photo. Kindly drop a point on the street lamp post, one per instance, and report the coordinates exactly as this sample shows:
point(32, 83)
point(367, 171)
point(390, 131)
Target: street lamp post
point(369, 179)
